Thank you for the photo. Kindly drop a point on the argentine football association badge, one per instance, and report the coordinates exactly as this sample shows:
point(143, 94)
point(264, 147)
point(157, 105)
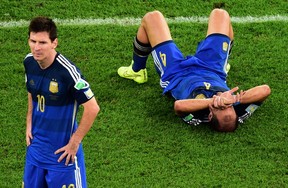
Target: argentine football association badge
point(53, 87)
point(225, 46)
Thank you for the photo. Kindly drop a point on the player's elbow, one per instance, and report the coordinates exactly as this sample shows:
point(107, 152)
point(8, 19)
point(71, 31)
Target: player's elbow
point(91, 107)
point(178, 108)
point(95, 110)
point(266, 90)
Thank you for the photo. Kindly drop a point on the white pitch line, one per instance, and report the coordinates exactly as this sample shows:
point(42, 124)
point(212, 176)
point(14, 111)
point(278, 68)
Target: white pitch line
point(136, 21)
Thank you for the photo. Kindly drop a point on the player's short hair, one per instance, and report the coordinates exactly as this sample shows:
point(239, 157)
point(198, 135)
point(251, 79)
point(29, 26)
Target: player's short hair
point(40, 24)
point(220, 128)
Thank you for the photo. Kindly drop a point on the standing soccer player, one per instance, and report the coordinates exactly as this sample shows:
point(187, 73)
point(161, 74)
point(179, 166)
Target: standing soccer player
point(56, 88)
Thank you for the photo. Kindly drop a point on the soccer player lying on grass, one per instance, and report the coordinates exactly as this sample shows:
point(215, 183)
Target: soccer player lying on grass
point(197, 83)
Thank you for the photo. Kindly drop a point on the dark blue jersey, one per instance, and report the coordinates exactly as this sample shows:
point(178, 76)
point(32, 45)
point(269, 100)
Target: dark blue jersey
point(206, 70)
point(57, 92)
point(202, 74)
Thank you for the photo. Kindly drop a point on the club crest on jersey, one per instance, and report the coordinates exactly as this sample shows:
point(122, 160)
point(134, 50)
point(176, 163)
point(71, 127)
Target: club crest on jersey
point(53, 87)
point(81, 84)
point(225, 46)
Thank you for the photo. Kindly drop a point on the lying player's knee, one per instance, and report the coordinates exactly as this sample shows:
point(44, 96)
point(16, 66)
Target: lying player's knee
point(152, 16)
point(218, 13)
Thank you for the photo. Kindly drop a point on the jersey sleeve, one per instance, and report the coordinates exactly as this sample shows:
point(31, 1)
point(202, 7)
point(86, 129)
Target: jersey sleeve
point(82, 91)
point(28, 65)
point(244, 111)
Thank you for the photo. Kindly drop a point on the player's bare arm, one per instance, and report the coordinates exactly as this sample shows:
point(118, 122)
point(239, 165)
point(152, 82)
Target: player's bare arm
point(29, 121)
point(224, 100)
point(90, 112)
point(256, 94)
point(182, 107)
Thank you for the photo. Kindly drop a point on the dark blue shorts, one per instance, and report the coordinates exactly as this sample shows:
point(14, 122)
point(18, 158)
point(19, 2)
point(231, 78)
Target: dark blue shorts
point(35, 177)
point(207, 67)
point(212, 54)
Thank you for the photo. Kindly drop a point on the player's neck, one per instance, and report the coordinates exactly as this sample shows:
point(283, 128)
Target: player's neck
point(45, 63)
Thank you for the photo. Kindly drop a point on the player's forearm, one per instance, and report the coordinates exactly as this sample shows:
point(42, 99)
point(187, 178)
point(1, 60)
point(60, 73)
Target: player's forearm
point(29, 112)
point(256, 94)
point(185, 106)
point(90, 113)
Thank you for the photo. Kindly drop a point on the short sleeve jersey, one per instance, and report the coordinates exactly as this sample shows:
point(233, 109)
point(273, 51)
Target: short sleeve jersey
point(202, 74)
point(57, 92)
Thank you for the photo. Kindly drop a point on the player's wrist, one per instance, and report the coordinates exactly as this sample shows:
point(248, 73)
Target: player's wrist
point(76, 139)
point(236, 103)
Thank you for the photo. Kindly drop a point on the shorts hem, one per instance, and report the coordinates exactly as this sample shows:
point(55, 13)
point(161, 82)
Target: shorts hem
point(162, 43)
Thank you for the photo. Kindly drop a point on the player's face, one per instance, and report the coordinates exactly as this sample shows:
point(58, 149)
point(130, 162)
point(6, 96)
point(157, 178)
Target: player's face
point(41, 46)
point(226, 117)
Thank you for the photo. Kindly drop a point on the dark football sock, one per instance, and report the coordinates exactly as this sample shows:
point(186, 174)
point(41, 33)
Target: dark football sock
point(140, 54)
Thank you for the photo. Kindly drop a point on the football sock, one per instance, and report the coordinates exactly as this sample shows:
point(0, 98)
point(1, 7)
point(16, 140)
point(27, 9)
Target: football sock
point(140, 54)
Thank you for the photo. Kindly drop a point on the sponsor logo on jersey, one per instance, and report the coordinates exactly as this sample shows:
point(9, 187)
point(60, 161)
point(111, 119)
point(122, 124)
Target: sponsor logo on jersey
point(207, 85)
point(31, 82)
point(53, 87)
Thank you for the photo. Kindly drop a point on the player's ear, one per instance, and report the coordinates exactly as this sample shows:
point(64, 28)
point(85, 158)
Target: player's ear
point(55, 43)
point(211, 113)
point(210, 116)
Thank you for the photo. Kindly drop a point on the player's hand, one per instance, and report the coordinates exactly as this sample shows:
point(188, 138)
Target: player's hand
point(69, 151)
point(219, 102)
point(29, 136)
point(227, 99)
point(230, 98)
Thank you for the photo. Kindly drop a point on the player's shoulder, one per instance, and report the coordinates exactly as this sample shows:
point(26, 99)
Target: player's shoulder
point(29, 61)
point(65, 62)
point(68, 67)
point(28, 57)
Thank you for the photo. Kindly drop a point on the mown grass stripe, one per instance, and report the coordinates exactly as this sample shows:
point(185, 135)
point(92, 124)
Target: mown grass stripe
point(136, 21)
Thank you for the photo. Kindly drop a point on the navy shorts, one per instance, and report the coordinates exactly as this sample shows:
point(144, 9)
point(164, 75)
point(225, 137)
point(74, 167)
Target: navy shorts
point(35, 177)
point(212, 53)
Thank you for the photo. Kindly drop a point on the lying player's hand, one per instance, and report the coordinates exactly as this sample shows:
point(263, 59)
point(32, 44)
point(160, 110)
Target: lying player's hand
point(220, 102)
point(227, 99)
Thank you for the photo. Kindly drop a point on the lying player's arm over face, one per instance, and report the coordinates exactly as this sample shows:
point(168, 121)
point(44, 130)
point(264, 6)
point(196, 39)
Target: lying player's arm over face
point(182, 107)
point(255, 94)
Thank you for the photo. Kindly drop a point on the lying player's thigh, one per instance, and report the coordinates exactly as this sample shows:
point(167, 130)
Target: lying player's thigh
point(165, 55)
